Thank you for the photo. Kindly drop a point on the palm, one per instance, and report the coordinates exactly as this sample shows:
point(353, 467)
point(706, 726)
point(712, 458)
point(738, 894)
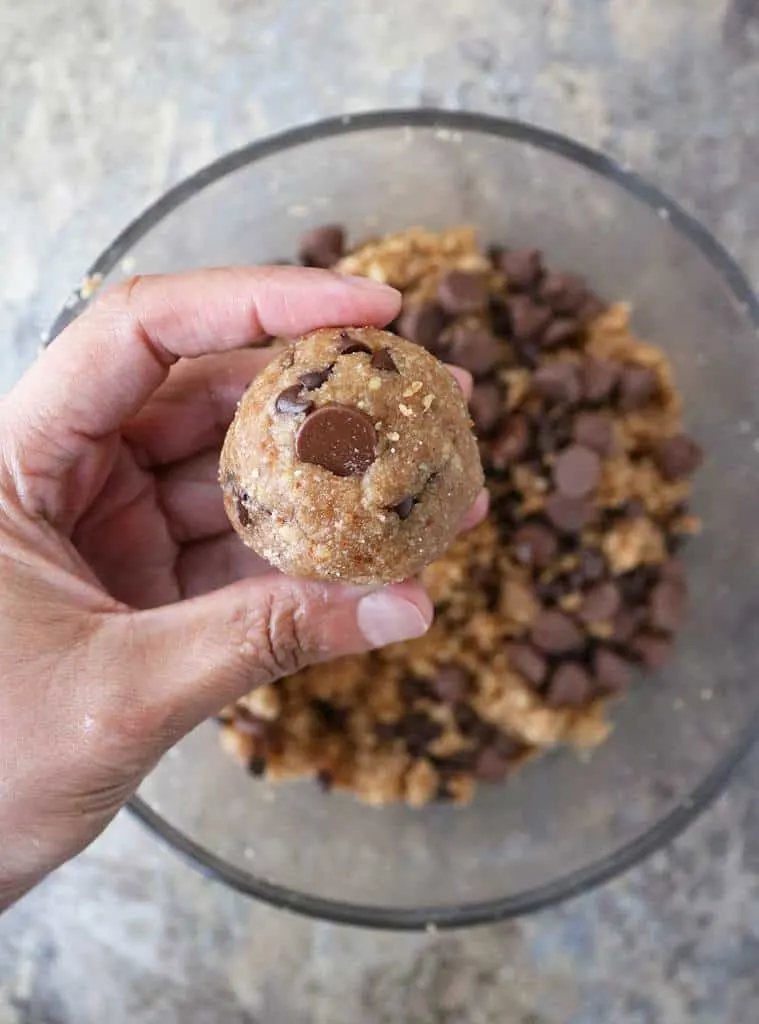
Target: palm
point(153, 527)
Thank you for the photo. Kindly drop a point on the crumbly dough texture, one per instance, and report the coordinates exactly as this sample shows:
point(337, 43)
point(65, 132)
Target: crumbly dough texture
point(316, 499)
point(546, 609)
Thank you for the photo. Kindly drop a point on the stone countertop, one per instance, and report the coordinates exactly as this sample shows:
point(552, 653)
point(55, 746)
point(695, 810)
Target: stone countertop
point(104, 106)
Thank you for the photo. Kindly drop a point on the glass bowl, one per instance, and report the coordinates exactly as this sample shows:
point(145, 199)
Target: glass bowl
point(563, 824)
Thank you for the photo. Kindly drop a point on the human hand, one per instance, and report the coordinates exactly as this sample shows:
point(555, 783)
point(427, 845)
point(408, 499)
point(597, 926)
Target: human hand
point(129, 611)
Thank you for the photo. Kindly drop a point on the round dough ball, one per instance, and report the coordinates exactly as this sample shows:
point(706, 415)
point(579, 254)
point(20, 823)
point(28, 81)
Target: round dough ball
point(351, 457)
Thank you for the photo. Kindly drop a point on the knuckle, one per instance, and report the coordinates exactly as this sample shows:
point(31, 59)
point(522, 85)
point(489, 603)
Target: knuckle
point(275, 636)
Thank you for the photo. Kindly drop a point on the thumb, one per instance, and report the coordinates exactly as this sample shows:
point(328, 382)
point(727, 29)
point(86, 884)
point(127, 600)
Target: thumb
point(198, 655)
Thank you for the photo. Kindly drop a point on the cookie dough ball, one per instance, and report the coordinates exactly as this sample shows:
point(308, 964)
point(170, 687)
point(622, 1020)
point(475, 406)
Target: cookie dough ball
point(351, 457)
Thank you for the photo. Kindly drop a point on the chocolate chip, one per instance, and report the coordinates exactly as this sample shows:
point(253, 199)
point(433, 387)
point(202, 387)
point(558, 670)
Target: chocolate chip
point(419, 731)
point(486, 406)
point(637, 583)
point(292, 401)
point(560, 331)
point(244, 515)
point(404, 507)
point(475, 348)
point(350, 346)
point(257, 766)
point(592, 565)
point(652, 650)
point(611, 671)
point(637, 386)
point(569, 515)
point(528, 319)
point(667, 606)
point(523, 268)
point(324, 780)
point(599, 378)
point(451, 683)
point(496, 761)
point(570, 686)
point(382, 360)
point(387, 731)
point(322, 246)
point(511, 442)
point(339, 438)
point(601, 603)
point(529, 662)
point(564, 293)
point(423, 323)
point(576, 471)
point(527, 353)
point(330, 716)
point(678, 457)
point(534, 545)
point(553, 435)
point(313, 379)
point(556, 633)
point(460, 291)
point(500, 318)
point(673, 570)
point(627, 623)
point(558, 382)
point(595, 430)
point(591, 308)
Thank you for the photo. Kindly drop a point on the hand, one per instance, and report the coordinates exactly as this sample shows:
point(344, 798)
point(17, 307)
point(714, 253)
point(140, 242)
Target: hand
point(129, 611)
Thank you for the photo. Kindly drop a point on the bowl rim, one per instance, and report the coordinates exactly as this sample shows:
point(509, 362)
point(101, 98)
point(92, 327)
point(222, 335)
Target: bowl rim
point(690, 807)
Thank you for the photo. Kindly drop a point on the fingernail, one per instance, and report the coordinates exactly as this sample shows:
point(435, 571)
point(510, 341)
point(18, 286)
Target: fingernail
point(367, 284)
point(386, 619)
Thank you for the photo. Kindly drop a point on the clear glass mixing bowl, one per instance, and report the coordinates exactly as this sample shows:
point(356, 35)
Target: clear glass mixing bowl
point(564, 823)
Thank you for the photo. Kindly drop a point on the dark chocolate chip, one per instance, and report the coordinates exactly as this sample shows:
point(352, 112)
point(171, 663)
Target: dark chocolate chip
point(577, 471)
point(558, 382)
point(564, 293)
point(460, 291)
point(570, 686)
point(486, 406)
point(556, 633)
point(419, 731)
point(627, 623)
point(257, 766)
point(523, 268)
point(511, 442)
point(591, 308)
point(595, 430)
point(293, 401)
point(592, 565)
point(637, 386)
point(244, 514)
point(612, 672)
point(475, 348)
point(387, 731)
point(324, 780)
point(599, 378)
point(535, 545)
point(350, 346)
point(637, 583)
point(667, 606)
point(339, 438)
point(528, 661)
point(451, 684)
point(404, 507)
point(330, 716)
point(601, 603)
point(322, 246)
point(652, 650)
point(496, 760)
point(633, 508)
point(423, 323)
point(455, 764)
point(383, 360)
point(527, 353)
point(569, 515)
point(678, 456)
point(553, 434)
point(313, 379)
point(560, 331)
point(467, 719)
point(528, 319)
point(500, 318)
point(673, 570)
point(413, 688)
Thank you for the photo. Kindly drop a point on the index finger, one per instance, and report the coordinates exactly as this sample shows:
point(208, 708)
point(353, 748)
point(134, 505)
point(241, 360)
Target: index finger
point(105, 365)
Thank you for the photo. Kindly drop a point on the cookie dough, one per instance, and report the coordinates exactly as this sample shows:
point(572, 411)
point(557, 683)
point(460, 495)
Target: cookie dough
point(573, 584)
point(351, 457)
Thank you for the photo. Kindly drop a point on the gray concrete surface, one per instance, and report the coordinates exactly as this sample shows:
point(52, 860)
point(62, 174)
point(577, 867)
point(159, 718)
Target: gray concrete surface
point(105, 104)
